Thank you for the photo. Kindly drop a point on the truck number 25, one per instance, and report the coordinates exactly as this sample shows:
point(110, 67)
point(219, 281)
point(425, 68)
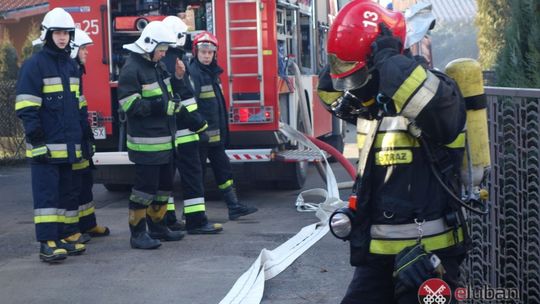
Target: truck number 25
point(90, 26)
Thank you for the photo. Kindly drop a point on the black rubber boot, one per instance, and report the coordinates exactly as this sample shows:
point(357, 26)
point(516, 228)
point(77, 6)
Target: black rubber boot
point(173, 223)
point(160, 231)
point(49, 252)
point(155, 218)
point(236, 209)
point(78, 238)
point(207, 228)
point(99, 231)
point(72, 249)
point(140, 238)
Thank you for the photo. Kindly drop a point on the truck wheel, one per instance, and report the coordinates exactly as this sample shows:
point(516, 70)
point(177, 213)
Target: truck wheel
point(293, 177)
point(118, 187)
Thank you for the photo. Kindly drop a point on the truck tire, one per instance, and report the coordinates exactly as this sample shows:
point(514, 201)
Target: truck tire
point(293, 175)
point(117, 187)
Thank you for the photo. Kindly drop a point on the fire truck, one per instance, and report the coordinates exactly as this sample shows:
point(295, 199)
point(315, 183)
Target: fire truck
point(271, 52)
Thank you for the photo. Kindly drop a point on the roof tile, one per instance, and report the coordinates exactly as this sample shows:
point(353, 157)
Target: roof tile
point(11, 5)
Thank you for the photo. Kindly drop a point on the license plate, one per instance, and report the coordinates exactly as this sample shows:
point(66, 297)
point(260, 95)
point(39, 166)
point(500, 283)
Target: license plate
point(99, 133)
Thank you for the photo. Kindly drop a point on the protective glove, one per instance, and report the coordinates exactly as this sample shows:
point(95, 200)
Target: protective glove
point(385, 46)
point(87, 143)
point(88, 134)
point(87, 149)
point(413, 266)
point(349, 107)
point(41, 154)
point(194, 122)
point(36, 137)
point(203, 125)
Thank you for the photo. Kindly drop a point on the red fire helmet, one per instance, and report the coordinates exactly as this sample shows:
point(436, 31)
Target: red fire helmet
point(205, 40)
point(350, 38)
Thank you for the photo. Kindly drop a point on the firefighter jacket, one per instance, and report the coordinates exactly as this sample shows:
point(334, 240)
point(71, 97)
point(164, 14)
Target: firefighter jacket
point(144, 94)
point(47, 102)
point(399, 197)
point(188, 120)
point(87, 142)
point(206, 85)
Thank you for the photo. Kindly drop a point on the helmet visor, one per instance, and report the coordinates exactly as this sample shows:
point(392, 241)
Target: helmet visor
point(340, 67)
point(206, 46)
point(162, 47)
point(357, 79)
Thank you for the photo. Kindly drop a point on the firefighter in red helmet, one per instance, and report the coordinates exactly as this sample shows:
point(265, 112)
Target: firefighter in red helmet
point(403, 224)
point(204, 78)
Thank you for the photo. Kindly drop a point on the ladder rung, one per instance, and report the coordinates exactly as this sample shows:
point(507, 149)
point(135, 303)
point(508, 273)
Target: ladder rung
point(244, 56)
point(246, 28)
point(245, 101)
point(244, 75)
point(243, 21)
point(242, 1)
point(243, 48)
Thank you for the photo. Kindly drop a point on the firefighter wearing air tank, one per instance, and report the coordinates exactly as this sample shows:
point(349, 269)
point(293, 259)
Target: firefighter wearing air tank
point(145, 95)
point(48, 105)
point(204, 79)
point(405, 225)
point(189, 124)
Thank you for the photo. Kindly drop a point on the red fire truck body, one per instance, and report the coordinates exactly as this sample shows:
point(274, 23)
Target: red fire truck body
point(259, 41)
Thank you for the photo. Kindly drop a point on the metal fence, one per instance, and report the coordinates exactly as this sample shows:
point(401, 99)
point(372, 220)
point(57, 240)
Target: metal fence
point(507, 241)
point(12, 146)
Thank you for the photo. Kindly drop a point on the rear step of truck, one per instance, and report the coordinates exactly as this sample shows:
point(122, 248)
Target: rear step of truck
point(299, 155)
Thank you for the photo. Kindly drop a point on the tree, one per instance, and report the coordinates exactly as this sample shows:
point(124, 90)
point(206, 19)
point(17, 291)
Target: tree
point(28, 49)
point(446, 36)
point(518, 65)
point(491, 22)
point(8, 59)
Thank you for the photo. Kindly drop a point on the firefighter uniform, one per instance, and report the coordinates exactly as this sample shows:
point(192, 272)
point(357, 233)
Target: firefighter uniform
point(82, 171)
point(211, 104)
point(189, 123)
point(47, 103)
point(411, 142)
point(396, 189)
point(145, 95)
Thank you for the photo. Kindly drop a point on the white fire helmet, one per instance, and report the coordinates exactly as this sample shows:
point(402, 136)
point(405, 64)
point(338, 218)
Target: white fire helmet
point(179, 29)
point(81, 39)
point(154, 34)
point(56, 20)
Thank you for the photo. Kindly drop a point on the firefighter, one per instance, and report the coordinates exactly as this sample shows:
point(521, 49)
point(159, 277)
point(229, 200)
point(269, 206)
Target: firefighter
point(405, 227)
point(82, 171)
point(189, 124)
point(145, 95)
point(47, 103)
point(204, 74)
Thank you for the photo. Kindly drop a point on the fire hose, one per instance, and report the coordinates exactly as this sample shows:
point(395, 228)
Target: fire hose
point(249, 288)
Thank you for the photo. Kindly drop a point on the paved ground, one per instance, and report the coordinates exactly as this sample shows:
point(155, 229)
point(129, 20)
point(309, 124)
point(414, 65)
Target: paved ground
point(198, 269)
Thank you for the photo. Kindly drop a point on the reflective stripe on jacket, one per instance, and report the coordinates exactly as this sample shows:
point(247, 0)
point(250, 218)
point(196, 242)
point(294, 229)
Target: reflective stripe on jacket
point(48, 104)
point(210, 100)
point(144, 90)
point(396, 186)
point(182, 89)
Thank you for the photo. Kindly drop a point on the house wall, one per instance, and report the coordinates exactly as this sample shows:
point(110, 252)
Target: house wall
point(19, 31)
